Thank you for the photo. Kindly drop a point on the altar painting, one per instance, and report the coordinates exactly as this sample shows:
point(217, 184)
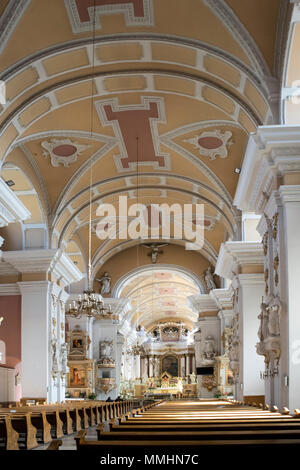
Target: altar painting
point(77, 377)
point(170, 365)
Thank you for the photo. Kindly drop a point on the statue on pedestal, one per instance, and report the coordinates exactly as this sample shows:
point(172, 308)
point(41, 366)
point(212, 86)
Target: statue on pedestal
point(209, 280)
point(263, 331)
point(274, 316)
point(209, 348)
point(104, 281)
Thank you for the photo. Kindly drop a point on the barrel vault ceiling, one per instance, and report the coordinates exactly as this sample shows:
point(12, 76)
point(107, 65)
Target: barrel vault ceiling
point(159, 101)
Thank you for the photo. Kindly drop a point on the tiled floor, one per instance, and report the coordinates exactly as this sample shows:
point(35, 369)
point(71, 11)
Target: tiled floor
point(69, 441)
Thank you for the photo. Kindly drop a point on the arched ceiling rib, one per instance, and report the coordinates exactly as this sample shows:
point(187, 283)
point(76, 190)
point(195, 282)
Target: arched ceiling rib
point(200, 68)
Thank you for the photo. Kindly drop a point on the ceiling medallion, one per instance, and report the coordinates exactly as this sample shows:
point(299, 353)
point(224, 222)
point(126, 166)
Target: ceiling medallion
point(62, 151)
point(212, 143)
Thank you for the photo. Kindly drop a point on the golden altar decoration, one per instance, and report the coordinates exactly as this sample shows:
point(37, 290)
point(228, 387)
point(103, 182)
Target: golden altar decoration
point(81, 378)
point(165, 384)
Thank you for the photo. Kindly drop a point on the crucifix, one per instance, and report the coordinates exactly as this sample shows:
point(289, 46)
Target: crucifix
point(155, 251)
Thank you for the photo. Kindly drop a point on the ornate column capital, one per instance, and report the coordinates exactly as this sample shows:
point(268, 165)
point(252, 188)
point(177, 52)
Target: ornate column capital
point(236, 255)
point(11, 208)
point(272, 152)
point(43, 261)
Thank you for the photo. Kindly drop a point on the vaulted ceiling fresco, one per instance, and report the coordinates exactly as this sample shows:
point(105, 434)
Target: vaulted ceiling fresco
point(157, 97)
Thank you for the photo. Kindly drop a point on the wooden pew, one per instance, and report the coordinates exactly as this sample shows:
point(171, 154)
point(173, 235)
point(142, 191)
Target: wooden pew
point(83, 445)
point(8, 436)
point(204, 426)
point(236, 434)
point(55, 444)
point(22, 424)
point(64, 414)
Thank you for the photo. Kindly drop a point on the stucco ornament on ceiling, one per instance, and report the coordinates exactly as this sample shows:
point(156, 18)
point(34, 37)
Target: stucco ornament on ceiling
point(212, 143)
point(62, 151)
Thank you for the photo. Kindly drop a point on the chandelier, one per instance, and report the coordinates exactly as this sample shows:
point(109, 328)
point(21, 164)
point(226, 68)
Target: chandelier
point(90, 303)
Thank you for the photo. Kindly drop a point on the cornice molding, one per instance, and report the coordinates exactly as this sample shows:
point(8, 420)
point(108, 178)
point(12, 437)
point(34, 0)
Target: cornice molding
point(40, 261)
point(9, 289)
point(11, 208)
point(233, 255)
point(201, 303)
point(34, 287)
point(273, 151)
point(251, 279)
point(64, 269)
point(290, 194)
point(223, 298)
point(118, 306)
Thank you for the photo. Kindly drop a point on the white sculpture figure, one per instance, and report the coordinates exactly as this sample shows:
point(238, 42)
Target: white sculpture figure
point(105, 283)
point(234, 351)
point(193, 378)
point(64, 357)
point(105, 348)
point(54, 357)
point(274, 319)
point(1, 320)
point(209, 280)
point(209, 348)
point(263, 331)
point(227, 339)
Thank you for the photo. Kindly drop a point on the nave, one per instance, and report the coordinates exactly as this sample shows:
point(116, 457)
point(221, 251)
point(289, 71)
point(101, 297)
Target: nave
point(180, 120)
point(184, 424)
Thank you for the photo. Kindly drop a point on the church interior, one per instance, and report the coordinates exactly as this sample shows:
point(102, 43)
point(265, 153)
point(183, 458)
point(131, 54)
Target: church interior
point(149, 205)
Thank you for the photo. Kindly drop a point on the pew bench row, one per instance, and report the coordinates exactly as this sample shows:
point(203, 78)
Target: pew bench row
point(25, 427)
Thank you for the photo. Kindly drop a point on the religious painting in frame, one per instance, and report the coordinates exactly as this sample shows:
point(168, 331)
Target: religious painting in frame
point(170, 364)
point(77, 376)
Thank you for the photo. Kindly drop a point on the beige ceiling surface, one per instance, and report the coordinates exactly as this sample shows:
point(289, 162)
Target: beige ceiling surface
point(156, 105)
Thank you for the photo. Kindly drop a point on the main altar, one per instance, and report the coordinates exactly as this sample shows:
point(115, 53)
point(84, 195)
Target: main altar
point(165, 385)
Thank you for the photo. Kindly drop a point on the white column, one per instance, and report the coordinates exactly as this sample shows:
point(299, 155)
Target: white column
point(137, 368)
point(194, 365)
point(36, 347)
point(290, 381)
point(182, 364)
point(120, 340)
point(61, 336)
point(187, 362)
point(252, 290)
point(151, 373)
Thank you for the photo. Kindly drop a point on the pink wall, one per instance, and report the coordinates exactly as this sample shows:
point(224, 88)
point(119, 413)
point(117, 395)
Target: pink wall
point(10, 333)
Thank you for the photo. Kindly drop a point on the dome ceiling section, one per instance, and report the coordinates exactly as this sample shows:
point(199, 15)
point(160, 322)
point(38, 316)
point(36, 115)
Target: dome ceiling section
point(158, 294)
